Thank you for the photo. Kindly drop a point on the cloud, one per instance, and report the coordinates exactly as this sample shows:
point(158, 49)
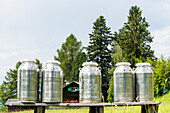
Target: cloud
point(161, 42)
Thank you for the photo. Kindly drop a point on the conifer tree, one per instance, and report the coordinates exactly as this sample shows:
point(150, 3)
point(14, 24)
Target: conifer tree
point(8, 89)
point(134, 37)
point(98, 50)
point(67, 54)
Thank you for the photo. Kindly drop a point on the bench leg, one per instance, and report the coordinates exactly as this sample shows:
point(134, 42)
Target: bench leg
point(39, 109)
point(149, 108)
point(96, 109)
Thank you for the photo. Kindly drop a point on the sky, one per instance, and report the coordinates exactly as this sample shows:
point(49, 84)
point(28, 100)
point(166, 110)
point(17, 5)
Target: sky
point(32, 29)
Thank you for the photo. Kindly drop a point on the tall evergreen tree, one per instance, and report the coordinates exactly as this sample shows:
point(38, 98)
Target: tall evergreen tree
point(98, 51)
point(134, 37)
point(67, 54)
point(8, 89)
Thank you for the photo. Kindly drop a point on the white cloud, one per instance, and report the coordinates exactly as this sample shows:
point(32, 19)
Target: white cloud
point(161, 42)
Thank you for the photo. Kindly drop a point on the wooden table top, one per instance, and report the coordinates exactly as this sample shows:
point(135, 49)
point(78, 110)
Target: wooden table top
point(15, 102)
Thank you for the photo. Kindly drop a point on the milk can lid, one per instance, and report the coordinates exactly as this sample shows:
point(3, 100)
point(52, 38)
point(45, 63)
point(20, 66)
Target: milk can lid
point(25, 60)
point(90, 63)
point(143, 64)
point(123, 63)
point(52, 62)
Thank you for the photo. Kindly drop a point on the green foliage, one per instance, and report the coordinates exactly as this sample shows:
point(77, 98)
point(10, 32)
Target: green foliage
point(117, 54)
point(67, 54)
point(4, 108)
point(116, 57)
point(77, 63)
point(110, 91)
point(8, 89)
point(37, 62)
point(3, 90)
point(167, 73)
point(134, 37)
point(161, 76)
point(98, 51)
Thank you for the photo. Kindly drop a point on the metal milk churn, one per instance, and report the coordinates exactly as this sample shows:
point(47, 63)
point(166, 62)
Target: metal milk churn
point(52, 82)
point(144, 82)
point(123, 83)
point(27, 81)
point(90, 83)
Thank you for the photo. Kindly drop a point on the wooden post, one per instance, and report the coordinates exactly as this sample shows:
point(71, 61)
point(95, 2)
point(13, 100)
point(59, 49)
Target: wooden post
point(149, 108)
point(39, 109)
point(96, 109)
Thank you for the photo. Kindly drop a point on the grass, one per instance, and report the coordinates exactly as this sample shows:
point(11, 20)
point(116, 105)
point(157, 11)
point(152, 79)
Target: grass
point(165, 105)
point(163, 108)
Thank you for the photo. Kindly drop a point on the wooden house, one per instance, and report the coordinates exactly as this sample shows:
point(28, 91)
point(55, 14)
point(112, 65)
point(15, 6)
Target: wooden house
point(71, 92)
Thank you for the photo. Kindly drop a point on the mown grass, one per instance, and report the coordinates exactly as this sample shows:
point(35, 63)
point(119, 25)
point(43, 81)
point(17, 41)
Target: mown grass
point(163, 108)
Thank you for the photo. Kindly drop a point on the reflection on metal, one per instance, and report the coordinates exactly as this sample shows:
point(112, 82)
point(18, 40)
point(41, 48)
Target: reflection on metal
point(52, 82)
point(90, 83)
point(144, 82)
point(123, 83)
point(27, 81)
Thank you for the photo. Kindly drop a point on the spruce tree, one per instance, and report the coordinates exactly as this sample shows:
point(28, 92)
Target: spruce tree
point(134, 37)
point(98, 51)
point(8, 89)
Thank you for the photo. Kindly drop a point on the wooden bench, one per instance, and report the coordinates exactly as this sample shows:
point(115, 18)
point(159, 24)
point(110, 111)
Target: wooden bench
point(146, 107)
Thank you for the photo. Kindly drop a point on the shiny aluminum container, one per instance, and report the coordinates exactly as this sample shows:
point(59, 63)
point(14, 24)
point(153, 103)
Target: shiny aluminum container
point(90, 83)
point(52, 82)
point(27, 81)
point(144, 82)
point(123, 83)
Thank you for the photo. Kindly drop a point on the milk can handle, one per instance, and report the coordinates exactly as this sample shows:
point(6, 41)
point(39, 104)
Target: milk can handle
point(79, 69)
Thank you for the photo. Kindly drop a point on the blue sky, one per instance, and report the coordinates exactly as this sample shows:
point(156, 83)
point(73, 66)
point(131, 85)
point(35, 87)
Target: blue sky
point(32, 29)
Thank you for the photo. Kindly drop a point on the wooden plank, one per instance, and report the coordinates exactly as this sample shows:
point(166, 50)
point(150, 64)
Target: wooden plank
point(17, 103)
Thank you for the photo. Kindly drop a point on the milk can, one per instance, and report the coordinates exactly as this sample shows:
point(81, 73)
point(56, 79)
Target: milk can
point(27, 81)
point(52, 82)
point(123, 83)
point(144, 82)
point(90, 83)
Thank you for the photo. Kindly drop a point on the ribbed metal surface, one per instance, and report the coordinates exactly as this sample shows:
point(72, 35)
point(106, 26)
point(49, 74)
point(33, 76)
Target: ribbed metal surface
point(27, 81)
point(52, 83)
point(144, 82)
point(90, 83)
point(123, 83)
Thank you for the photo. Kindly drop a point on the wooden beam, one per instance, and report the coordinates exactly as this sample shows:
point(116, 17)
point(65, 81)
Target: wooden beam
point(149, 108)
point(39, 109)
point(94, 109)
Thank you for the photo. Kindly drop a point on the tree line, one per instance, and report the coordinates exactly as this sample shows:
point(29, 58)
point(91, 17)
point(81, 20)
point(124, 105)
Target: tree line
point(131, 44)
